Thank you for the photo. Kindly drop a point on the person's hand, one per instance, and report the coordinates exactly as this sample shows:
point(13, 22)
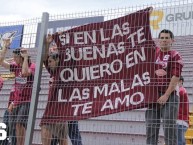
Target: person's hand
point(49, 39)
point(10, 108)
point(6, 43)
point(24, 53)
point(163, 99)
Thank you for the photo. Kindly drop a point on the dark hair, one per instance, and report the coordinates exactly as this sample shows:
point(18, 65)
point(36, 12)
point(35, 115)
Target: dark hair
point(181, 78)
point(17, 51)
point(168, 32)
point(54, 55)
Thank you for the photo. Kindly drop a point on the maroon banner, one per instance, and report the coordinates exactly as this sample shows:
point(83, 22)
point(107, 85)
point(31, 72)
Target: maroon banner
point(105, 68)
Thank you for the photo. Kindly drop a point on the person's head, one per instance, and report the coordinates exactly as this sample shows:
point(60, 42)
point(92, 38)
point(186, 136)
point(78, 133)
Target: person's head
point(181, 81)
point(18, 59)
point(166, 38)
point(53, 60)
point(17, 56)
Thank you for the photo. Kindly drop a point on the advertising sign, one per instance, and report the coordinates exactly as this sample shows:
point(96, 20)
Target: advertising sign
point(15, 33)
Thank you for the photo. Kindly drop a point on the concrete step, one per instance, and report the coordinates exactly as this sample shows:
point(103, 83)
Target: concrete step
point(102, 132)
point(89, 138)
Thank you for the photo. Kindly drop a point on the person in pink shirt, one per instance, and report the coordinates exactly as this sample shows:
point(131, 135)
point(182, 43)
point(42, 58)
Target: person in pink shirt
point(24, 76)
point(183, 114)
point(50, 128)
point(169, 67)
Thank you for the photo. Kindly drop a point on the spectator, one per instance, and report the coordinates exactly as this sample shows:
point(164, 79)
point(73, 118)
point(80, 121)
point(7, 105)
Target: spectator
point(2, 142)
point(183, 115)
point(24, 75)
point(11, 136)
point(73, 129)
point(49, 130)
point(169, 63)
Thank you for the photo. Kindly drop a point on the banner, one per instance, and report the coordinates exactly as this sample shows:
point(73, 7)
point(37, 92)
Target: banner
point(105, 68)
point(13, 32)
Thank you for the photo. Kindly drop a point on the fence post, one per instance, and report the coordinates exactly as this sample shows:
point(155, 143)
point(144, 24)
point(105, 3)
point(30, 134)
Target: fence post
point(37, 80)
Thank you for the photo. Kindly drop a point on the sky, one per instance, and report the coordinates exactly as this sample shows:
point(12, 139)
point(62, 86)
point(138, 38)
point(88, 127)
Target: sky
point(16, 10)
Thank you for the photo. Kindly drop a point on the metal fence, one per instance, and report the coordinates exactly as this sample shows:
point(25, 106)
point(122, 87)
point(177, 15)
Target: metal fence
point(122, 128)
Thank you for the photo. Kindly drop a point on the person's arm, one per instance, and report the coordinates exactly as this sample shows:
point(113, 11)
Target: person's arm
point(185, 101)
point(6, 44)
point(48, 41)
point(172, 86)
point(25, 66)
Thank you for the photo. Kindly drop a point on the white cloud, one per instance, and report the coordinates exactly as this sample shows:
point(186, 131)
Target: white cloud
point(10, 17)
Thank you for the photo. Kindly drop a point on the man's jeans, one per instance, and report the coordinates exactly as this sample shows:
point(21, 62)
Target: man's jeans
point(74, 133)
point(168, 113)
point(181, 134)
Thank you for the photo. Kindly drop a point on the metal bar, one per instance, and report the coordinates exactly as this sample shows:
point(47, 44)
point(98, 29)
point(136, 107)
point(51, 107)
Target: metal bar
point(37, 80)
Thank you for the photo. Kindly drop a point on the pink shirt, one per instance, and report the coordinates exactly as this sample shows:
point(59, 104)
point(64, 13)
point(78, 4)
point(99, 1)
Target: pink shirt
point(23, 85)
point(1, 83)
point(169, 64)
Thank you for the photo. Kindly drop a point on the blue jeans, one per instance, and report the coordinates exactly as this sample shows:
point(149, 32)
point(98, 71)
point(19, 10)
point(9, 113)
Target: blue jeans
point(11, 134)
point(181, 134)
point(168, 113)
point(73, 132)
